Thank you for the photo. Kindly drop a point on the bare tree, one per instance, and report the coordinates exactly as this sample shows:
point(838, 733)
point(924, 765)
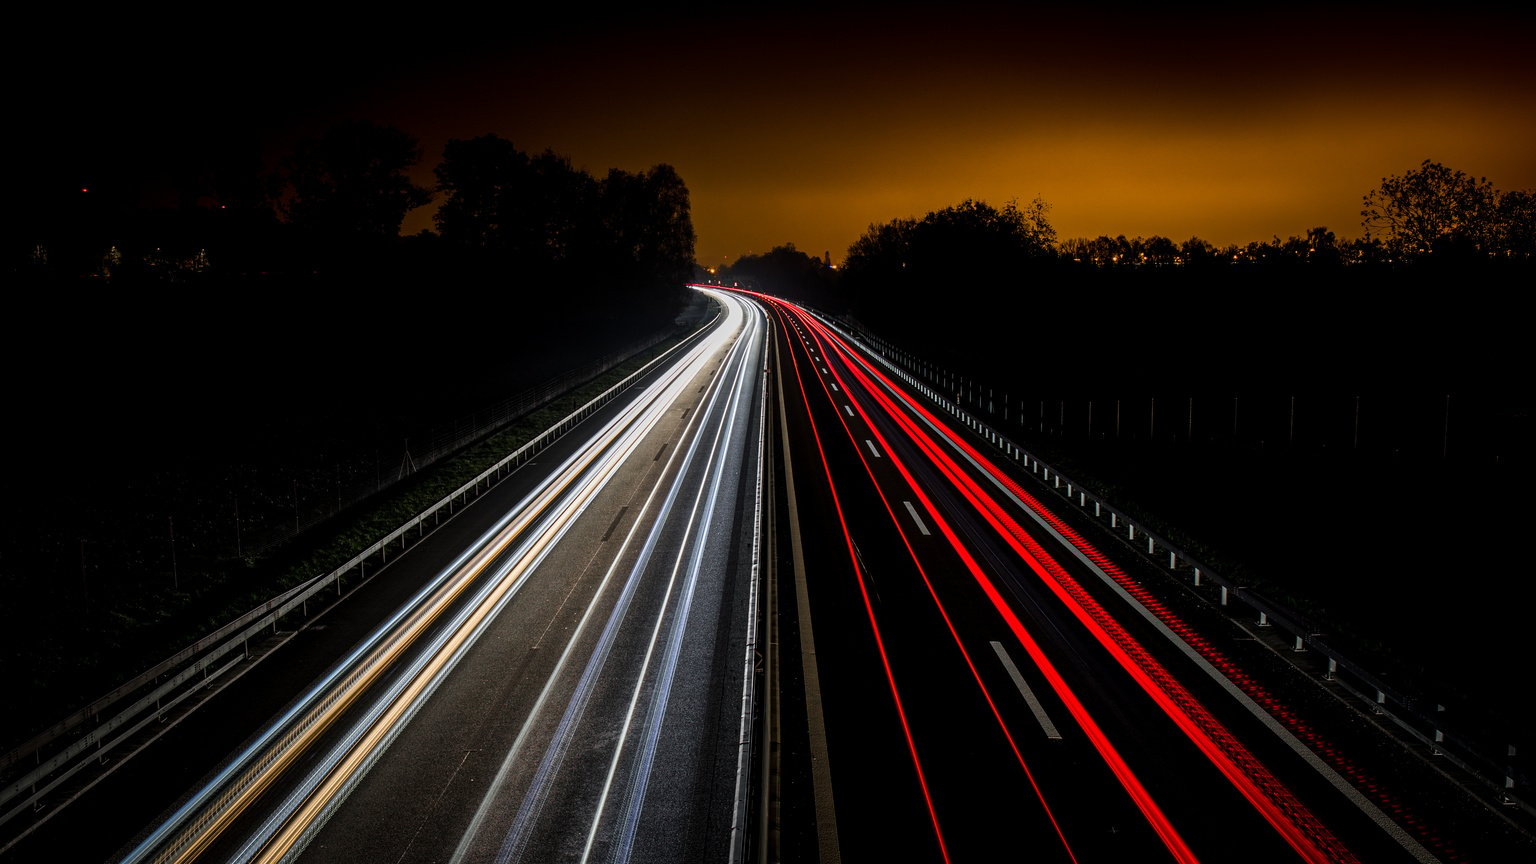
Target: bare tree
point(1432, 209)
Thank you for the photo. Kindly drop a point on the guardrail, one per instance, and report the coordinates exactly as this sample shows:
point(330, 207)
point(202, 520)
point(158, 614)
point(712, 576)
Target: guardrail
point(442, 441)
point(57, 755)
point(1504, 779)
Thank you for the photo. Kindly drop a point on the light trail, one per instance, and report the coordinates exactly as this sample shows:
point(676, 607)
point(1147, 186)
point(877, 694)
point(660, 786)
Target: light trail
point(701, 516)
point(874, 625)
point(1292, 820)
point(1300, 737)
point(949, 624)
point(1279, 807)
point(537, 521)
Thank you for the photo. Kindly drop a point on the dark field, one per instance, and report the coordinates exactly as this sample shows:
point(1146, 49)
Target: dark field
point(159, 435)
point(1356, 448)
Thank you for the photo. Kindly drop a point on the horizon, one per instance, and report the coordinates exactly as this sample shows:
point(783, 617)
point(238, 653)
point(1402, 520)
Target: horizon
point(809, 125)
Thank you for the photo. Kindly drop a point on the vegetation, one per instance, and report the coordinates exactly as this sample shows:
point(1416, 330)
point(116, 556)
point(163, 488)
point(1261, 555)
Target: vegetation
point(1436, 211)
point(789, 273)
point(272, 348)
point(1318, 417)
point(515, 213)
point(999, 309)
point(350, 184)
point(1311, 415)
point(333, 208)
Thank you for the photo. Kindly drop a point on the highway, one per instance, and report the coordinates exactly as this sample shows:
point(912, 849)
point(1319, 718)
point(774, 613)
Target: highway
point(777, 605)
point(580, 659)
point(987, 681)
point(567, 679)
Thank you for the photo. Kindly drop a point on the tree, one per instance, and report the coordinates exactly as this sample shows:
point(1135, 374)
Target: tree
point(1516, 231)
point(481, 180)
point(976, 237)
point(528, 214)
point(991, 251)
point(1195, 252)
point(1159, 251)
point(882, 250)
point(971, 238)
point(787, 272)
point(1103, 250)
point(351, 183)
point(1432, 210)
point(649, 228)
point(540, 219)
point(878, 263)
point(557, 219)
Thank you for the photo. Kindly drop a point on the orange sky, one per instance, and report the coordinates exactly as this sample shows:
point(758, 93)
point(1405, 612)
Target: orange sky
point(809, 130)
point(807, 123)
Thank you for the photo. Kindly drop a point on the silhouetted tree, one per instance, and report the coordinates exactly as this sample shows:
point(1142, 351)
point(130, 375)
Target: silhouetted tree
point(649, 227)
point(520, 214)
point(1431, 209)
point(1516, 225)
point(1318, 247)
point(986, 253)
point(1105, 251)
point(350, 184)
point(882, 253)
point(1159, 251)
point(787, 272)
point(969, 240)
point(1323, 247)
point(1364, 250)
point(559, 218)
point(1195, 252)
point(481, 180)
point(1074, 249)
point(538, 218)
point(978, 238)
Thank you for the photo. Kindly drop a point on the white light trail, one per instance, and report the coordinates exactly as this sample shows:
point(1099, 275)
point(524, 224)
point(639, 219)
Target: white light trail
point(535, 523)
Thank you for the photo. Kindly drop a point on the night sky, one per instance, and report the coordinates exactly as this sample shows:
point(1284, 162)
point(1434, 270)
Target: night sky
point(806, 123)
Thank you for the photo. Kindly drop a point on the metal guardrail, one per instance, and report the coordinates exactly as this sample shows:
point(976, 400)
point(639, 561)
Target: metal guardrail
point(444, 440)
point(1503, 778)
point(57, 756)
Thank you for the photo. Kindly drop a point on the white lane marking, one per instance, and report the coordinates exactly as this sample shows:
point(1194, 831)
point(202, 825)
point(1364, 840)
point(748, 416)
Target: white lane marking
point(849, 409)
point(872, 448)
point(921, 526)
point(1411, 845)
point(1029, 695)
point(834, 385)
point(679, 455)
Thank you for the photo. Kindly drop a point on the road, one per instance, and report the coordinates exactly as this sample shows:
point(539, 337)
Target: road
point(986, 679)
point(564, 676)
point(779, 605)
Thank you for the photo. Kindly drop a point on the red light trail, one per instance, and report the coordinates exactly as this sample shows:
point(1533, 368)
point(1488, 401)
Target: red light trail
point(1292, 820)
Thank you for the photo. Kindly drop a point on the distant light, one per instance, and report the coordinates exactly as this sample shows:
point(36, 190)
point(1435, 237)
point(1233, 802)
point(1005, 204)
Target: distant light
point(84, 189)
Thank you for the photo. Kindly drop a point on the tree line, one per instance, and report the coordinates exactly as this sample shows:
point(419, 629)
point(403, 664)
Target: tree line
point(1416, 308)
point(335, 204)
point(1427, 219)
